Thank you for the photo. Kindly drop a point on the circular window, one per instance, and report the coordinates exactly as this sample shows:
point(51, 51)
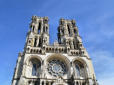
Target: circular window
point(56, 67)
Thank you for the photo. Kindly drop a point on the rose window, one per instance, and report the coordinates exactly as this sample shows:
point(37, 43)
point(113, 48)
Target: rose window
point(56, 67)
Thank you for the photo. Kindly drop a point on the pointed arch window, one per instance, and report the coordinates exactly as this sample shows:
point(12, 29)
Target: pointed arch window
point(39, 28)
point(77, 83)
point(75, 31)
point(35, 42)
point(36, 83)
point(78, 70)
point(34, 70)
point(68, 29)
point(40, 42)
point(36, 67)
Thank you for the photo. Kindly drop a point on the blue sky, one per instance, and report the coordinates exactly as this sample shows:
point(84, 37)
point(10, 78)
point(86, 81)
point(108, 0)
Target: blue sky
point(94, 19)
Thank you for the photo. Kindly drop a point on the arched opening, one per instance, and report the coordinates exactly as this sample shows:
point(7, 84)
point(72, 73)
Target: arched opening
point(75, 31)
point(47, 83)
point(77, 83)
point(62, 31)
point(36, 67)
point(68, 29)
point(39, 45)
point(39, 27)
point(77, 70)
point(83, 83)
point(58, 65)
point(35, 42)
point(42, 82)
point(80, 69)
point(36, 83)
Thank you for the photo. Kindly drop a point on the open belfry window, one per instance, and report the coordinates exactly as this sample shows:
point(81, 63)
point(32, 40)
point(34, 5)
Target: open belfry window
point(40, 42)
point(75, 31)
point(68, 29)
point(35, 42)
point(39, 27)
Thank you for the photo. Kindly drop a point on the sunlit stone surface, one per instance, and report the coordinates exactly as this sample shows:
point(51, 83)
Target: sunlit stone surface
point(66, 62)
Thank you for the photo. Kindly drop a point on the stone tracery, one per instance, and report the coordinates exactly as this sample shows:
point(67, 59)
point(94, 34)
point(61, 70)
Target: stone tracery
point(57, 67)
point(36, 67)
point(80, 69)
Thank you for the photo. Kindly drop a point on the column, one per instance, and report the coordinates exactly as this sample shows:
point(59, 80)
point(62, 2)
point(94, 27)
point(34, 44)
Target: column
point(37, 42)
point(41, 29)
point(44, 82)
point(40, 82)
point(74, 82)
point(49, 82)
point(80, 82)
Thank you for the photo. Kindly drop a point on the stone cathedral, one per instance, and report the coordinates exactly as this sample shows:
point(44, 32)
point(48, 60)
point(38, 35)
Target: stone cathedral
point(65, 62)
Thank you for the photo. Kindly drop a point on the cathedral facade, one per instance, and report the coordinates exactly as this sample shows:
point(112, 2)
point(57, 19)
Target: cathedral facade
point(65, 62)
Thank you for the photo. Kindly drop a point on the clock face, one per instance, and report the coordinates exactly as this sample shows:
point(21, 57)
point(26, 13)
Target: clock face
point(56, 67)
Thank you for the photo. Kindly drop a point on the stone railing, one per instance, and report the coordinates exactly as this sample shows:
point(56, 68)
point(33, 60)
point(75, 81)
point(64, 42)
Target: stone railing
point(54, 49)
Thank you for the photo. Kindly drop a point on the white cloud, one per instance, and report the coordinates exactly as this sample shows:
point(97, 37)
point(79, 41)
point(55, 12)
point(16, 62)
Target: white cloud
point(104, 67)
point(106, 24)
point(107, 81)
point(99, 29)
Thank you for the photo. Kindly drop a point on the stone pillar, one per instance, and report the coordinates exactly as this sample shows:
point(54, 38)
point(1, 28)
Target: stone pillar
point(37, 42)
point(31, 83)
point(74, 82)
point(65, 30)
point(80, 82)
point(41, 29)
point(90, 82)
point(71, 44)
point(71, 31)
point(44, 82)
point(40, 82)
point(49, 82)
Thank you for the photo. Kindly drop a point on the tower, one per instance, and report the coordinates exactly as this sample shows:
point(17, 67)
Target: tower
point(66, 62)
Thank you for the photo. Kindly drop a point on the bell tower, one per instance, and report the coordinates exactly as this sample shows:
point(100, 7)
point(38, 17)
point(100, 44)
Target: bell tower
point(68, 35)
point(65, 62)
point(38, 35)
